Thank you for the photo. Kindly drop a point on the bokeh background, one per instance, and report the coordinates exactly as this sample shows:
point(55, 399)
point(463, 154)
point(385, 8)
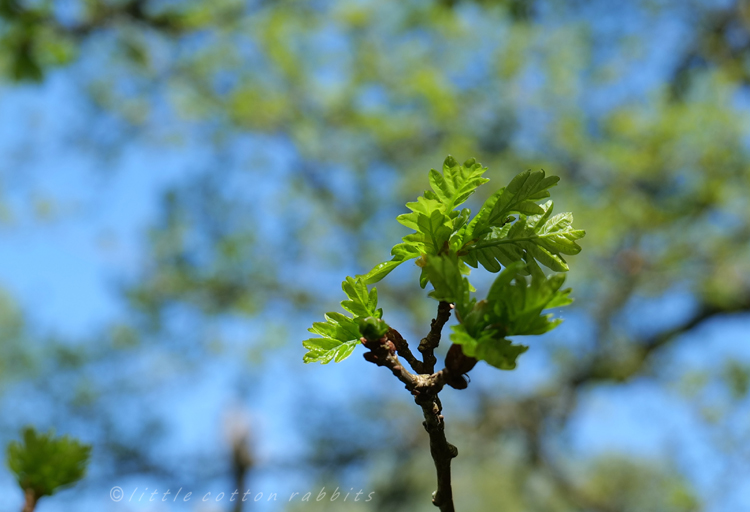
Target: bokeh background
point(184, 185)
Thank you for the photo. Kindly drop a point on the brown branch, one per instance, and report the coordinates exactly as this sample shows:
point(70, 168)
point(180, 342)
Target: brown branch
point(403, 350)
point(441, 450)
point(430, 342)
point(30, 503)
point(607, 367)
point(383, 353)
point(425, 388)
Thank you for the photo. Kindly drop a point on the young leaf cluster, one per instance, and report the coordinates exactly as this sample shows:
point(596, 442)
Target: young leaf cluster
point(511, 234)
point(340, 334)
point(43, 463)
point(513, 307)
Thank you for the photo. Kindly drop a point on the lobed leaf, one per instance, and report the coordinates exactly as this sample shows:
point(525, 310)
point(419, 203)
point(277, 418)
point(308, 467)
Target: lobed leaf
point(325, 350)
point(457, 182)
point(433, 217)
point(513, 307)
point(445, 275)
point(339, 333)
point(543, 237)
point(517, 305)
point(519, 196)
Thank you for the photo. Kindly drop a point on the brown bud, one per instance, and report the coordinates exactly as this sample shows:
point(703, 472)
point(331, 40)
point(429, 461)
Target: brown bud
point(457, 363)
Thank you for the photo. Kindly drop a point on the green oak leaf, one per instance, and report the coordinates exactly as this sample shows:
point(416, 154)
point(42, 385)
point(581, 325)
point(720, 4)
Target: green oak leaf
point(43, 463)
point(433, 217)
point(520, 196)
point(340, 334)
point(513, 307)
point(546, 238)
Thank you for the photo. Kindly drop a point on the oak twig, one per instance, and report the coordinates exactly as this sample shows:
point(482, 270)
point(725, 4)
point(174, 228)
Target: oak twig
point(383, 353)
point(425, 386)
point(430, 342)
point(441, 450)
point(403, 350)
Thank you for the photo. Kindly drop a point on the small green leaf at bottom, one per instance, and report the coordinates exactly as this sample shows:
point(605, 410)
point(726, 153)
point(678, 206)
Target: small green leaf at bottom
point(43, 463)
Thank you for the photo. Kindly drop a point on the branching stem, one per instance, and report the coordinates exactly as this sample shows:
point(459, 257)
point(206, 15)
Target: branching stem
point(441, 450)
point(430, 342)
point(425, 385)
